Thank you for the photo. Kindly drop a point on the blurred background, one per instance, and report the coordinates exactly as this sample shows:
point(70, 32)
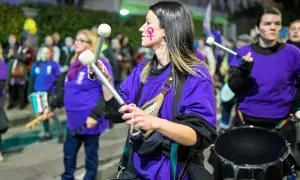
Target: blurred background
point(32, 24)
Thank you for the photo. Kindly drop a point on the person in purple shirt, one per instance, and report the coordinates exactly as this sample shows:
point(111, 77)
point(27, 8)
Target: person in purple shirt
point(265, 80)
point(80, 96)
point(44, 73)
point(193, 126)
point(3, 84)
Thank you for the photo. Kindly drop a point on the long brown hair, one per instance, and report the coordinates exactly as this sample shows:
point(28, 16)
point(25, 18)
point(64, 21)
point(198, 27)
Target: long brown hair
point(177, 22)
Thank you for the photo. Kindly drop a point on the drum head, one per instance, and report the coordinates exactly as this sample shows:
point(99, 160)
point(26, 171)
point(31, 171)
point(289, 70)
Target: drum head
point(250, 145)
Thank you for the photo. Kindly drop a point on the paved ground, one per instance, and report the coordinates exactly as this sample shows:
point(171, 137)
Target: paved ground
point(28, 159)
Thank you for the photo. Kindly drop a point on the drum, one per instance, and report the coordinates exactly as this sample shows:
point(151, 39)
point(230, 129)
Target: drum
point(39, 102)
point(226, 93)
point(250, 152)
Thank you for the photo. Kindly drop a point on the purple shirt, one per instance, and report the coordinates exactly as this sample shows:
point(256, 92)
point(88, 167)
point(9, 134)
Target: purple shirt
point(199, 55)
point(197, 98)
point(3, 70)
point(3, 74)
point(81, 96)
point(45, 73)
point(272, 88)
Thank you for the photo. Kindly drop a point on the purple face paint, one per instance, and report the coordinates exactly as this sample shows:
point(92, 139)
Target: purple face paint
point(150, 31)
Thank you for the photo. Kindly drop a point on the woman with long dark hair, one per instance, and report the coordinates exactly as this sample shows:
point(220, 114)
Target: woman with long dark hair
point(154, 86)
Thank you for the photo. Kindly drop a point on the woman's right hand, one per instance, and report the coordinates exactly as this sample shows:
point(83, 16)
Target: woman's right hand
point(103, 69)
point(48, 113)
point(106, 93)
point(248, 57)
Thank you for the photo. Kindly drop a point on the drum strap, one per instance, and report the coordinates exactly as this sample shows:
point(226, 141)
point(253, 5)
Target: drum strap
point(279, 124)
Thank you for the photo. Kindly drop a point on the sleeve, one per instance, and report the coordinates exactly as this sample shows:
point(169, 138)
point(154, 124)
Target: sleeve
point(99, 110)
point(238, 75)
point(128, 90)
point(57, 100)
point(197, 110)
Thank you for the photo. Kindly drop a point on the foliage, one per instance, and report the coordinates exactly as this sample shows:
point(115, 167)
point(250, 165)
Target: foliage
point(11, 21)
point(68, 20)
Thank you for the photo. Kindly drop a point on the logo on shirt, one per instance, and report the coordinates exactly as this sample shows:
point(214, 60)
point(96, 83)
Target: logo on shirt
point(37, 70)
point(80, 77)
point(49, 69)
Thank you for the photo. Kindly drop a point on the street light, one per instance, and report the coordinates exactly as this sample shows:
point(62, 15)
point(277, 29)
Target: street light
point(124, 12)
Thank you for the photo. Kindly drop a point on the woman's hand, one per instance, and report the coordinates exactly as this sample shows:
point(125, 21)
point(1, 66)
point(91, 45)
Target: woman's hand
point(91, 122)
point(102, 68)
point(141, 120)
point(48, 113)
point(248, 57)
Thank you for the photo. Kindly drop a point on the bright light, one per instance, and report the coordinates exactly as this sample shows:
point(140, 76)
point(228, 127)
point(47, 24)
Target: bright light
point(124, 12)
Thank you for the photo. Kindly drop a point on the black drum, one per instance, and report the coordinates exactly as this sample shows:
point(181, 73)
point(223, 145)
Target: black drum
point(250, 152)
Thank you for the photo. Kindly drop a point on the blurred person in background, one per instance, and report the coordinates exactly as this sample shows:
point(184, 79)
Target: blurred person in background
point(80, 95)
point(3, 78)
point(57, 40)
point(127, 52)
point(31, 34)
point(226, 95)
point(17, 73)
point(67, 53)
point(45, 72)
point(209, 55)
point(294, 39)
point(116, 61)
point(49, 42)
point(294, 33)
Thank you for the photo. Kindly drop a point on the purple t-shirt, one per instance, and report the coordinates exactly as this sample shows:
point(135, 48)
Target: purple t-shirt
point(45, 73)
point(272, 88)
point(81, 96)
point(3, 74)
point(197, 98)
point(3, 70)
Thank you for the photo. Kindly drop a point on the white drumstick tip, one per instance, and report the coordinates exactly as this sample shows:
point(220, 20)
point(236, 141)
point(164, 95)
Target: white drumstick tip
point(297, 114)
point(210, 40)
point(86, 57)
point(104, 30)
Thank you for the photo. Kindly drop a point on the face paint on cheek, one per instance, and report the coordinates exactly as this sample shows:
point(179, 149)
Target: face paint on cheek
point(150, 32)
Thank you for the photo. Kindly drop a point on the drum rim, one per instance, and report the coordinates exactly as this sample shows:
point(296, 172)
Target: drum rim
point(251, 166)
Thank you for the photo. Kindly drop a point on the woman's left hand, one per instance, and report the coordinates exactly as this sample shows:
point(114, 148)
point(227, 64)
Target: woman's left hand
point(141, 120)
point(91, 122)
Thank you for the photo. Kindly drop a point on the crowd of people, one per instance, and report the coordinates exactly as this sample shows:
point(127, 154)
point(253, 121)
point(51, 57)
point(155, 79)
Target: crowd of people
point(171, 87)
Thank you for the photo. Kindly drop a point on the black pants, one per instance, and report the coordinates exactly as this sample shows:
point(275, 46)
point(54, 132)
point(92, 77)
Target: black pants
point(17, 95)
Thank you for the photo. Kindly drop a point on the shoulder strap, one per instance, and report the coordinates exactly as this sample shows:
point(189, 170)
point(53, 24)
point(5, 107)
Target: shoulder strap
point(174, 145)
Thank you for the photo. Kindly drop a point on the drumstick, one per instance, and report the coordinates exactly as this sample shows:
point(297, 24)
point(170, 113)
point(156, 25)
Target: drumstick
point(35, 121)
point(211, 41)
point(88, 58)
